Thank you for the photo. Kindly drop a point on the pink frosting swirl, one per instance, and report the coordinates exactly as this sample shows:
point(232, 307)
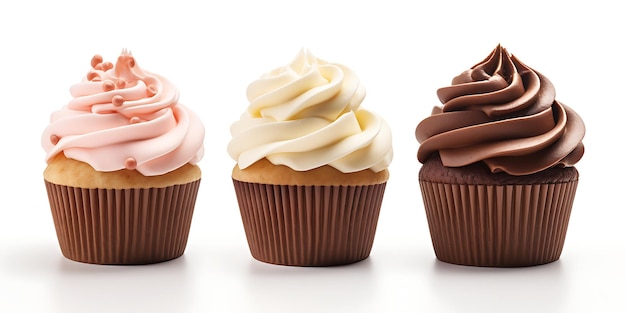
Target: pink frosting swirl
point(122, 117)
point(503, 113)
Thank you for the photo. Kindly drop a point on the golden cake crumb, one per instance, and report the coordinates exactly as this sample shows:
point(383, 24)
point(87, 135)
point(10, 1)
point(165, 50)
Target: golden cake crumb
point(264, 172)
point(69, 172)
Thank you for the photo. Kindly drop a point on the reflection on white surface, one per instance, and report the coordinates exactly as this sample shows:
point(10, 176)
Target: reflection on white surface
point(316, 289)
point(397, 278)
point(78, 287)
point(507, 289)
point(164, 287)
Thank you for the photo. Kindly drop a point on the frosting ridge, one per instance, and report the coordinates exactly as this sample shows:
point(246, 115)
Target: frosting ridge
point(505, 114)
point(307, 114)
point(122, 117)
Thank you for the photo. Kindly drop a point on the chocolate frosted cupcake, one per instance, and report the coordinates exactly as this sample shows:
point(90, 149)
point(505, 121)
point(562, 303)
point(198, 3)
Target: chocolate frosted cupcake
point(311, 165)
point(498, 177)
point(122, 177)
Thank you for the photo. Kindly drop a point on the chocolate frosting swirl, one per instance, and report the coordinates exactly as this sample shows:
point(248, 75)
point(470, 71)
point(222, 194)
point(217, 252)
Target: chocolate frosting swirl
point(503, 113)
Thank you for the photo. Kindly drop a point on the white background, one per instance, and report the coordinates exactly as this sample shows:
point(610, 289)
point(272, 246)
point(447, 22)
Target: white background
point(402, 51)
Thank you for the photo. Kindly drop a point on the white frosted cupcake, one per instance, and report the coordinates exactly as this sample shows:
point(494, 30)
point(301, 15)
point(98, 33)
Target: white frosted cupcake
point(311, 165)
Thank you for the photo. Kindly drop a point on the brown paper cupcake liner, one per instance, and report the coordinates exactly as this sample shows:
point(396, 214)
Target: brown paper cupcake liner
point(122, 226)
point(309, 225)
point(498, 226)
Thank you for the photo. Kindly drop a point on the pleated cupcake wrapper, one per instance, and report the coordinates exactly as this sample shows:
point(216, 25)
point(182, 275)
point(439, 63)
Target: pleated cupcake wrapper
point(309, 225)
point(122, 226)
point(498, 226)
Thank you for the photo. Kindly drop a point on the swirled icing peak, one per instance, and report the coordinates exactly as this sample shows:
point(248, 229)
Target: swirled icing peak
point(503, 113)
point(122, 117)
point(307, 114)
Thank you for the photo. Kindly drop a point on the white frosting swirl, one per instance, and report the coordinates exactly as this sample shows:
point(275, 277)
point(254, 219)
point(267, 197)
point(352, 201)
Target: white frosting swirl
point(306, 115)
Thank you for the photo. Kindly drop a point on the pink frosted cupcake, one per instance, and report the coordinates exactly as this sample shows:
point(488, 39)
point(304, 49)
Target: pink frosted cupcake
point(498, 177)
point(122, 177)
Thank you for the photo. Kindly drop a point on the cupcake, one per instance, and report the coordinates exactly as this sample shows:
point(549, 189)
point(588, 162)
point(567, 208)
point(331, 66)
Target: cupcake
point(498, 177)
point(121, 172)
point(311, 165)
